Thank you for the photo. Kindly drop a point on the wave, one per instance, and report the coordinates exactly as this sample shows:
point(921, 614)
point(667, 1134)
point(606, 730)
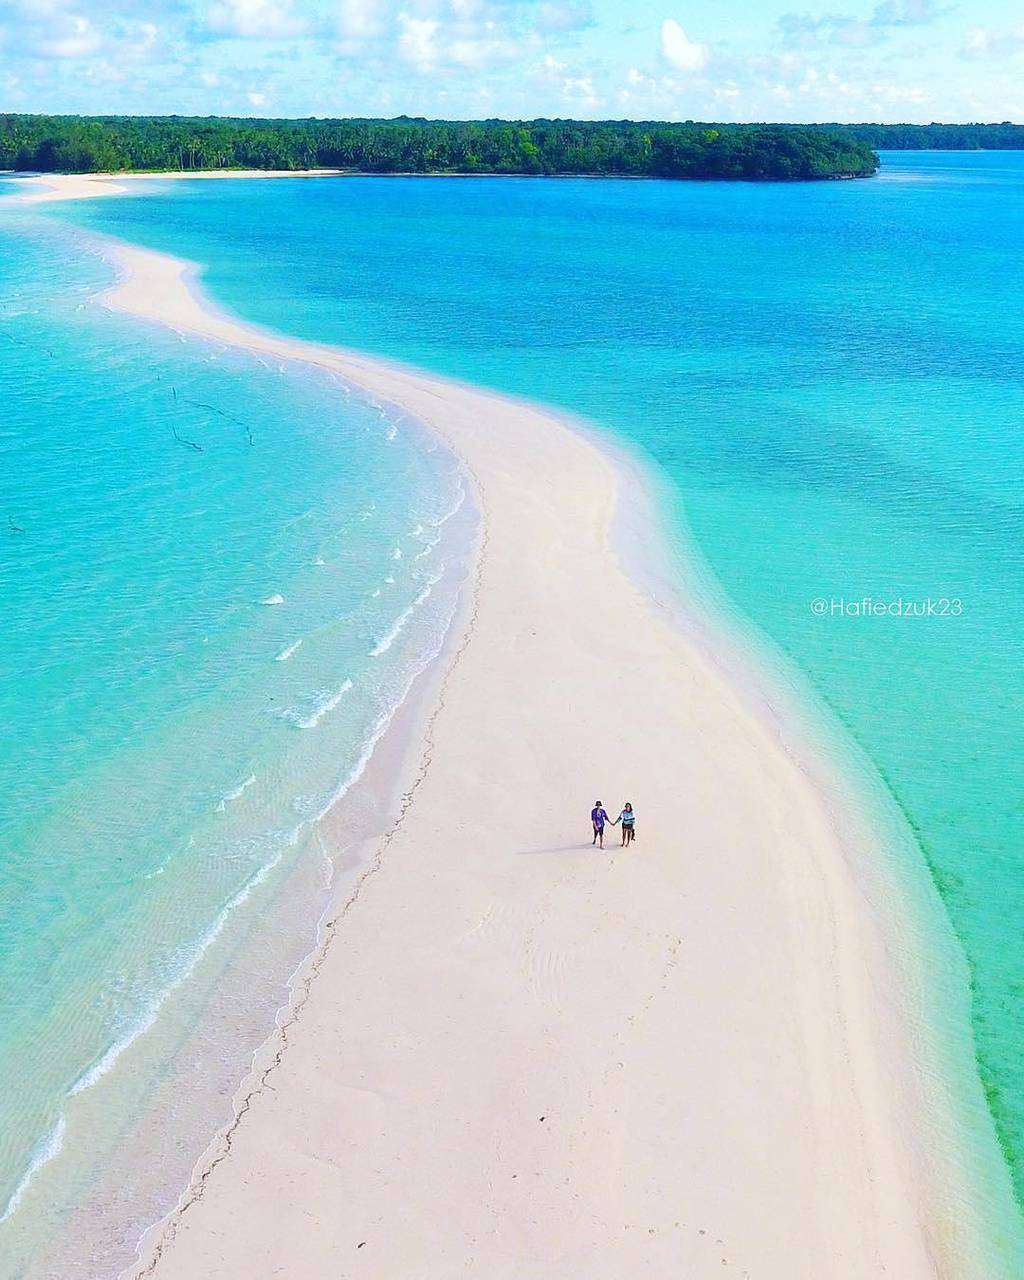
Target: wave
point(234, 795)
point(396, 554)
point(383, 721)
point(384, 644)
point(49, 1148)
point(275, 599)
point(453, 510)
point(111, 1054)
point(109, 1057)
point(53, 1142)
point(285, 654)
point(325, 707)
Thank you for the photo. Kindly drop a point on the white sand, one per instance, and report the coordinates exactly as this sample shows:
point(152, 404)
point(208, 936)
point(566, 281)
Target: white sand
point(521, 1057)
point(48, 187)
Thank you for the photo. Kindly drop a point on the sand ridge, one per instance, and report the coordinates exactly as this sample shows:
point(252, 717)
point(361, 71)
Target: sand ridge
point(520, 1057)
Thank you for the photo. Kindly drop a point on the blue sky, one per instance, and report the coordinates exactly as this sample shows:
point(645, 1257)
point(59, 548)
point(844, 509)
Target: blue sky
point(800, 60)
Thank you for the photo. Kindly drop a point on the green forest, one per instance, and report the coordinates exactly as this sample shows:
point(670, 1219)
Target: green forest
point(937, 137)
point(625, 148)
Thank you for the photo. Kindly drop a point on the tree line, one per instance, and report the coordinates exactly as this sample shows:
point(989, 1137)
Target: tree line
point(938, 137)
point(625, 148)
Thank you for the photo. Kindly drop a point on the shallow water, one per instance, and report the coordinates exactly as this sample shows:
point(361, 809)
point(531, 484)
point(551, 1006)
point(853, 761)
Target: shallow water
point(218, 577)
point(831, 378)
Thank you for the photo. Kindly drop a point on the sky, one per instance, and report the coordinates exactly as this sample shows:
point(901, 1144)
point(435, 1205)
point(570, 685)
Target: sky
point(778, 60)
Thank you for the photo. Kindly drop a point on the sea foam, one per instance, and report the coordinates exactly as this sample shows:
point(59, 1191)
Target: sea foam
point(47, 1150)
point(325, 707)
point(149, 1014)
point(385, 643)
point(236, 792)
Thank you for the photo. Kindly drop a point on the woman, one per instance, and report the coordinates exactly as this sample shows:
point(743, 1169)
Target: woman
point(627, 817)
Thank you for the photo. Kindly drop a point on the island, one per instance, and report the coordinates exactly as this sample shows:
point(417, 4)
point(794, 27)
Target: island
point(618, 148)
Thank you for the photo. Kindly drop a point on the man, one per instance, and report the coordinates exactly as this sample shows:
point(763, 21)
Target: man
point(598, 817)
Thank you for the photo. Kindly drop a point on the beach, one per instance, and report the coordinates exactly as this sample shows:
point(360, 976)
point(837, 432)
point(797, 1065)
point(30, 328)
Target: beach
point(90, 186)
point(517, 1055)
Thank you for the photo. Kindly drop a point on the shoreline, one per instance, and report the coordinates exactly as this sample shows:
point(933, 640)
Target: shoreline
point(228, 1013)
point(928, 1006)
point(47, 187)
point(90, 186)
point(872, 1207)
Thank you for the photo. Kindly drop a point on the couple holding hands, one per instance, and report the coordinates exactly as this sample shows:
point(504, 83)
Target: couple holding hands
point(599, 817)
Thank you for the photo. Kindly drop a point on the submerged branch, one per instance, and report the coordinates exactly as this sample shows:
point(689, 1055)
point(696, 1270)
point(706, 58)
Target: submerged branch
point(212, 408)
point(191, 444)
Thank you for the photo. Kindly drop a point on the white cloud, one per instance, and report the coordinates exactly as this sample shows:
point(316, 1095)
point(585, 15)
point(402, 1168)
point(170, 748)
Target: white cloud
point(360, 20)
point(417, 41)
point(564, 15)
point(256, 19)
point(452, 36)
point(141, 40)
point(481, 52)
point(887, 17)
point(978, 42)
point(679, 49)
point(580, 91)
point(906, 13)
point(71, 36)
point(257, 99)
point(894, 92)
point(987, 42)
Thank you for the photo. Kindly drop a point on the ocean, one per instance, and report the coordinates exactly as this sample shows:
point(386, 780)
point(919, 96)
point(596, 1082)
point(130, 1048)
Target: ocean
point(219, 578)
point(823, 379)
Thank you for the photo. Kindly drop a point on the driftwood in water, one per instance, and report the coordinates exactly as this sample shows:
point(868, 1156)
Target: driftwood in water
point(212, 408)
point(185, 441)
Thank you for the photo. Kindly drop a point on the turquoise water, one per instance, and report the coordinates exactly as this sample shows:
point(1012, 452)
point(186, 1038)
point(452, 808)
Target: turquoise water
point(830, 377)
point(219, 576)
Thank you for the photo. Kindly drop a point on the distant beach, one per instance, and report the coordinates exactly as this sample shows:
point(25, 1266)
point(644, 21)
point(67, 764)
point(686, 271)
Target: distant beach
point(513, 1051)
